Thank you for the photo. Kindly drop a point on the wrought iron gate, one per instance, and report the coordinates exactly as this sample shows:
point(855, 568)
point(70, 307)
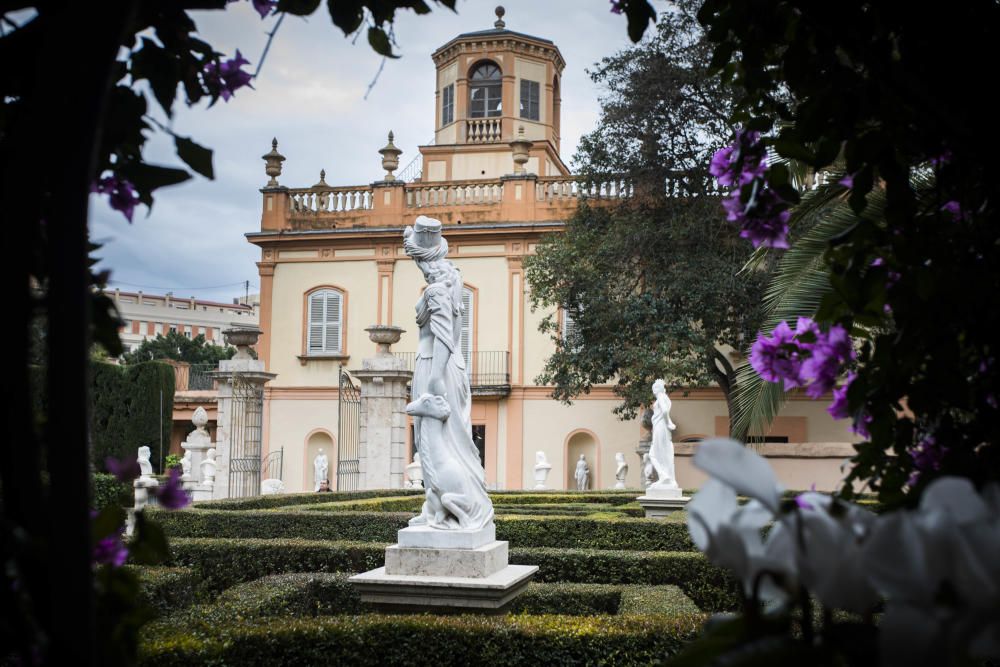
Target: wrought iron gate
point(246, 410)
point(348, 434)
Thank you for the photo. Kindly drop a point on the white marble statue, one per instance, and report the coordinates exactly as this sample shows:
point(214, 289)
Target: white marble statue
point(542, 468)
point(186, 465)
point(454, 479)
point(271, 486)
point(321, 466)
point(661, 450)
point(648, 471)
point(200, 434)
point(145, 467)
point(621, 470)
point(415, 473)
point(208, 466)
point(582, 474)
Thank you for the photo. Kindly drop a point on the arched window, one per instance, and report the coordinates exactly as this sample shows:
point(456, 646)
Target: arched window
point(325, 322)
point(468, 304)
point(485, 87)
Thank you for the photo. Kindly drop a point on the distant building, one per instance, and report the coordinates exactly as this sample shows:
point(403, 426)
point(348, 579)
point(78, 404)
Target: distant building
point(147, 315)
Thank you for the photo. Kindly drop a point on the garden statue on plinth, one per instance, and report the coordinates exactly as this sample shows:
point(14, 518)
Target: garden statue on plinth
point(621, 470)
point(542, 468)
point(145, 485)
point(448, 557)
point(582, 474)
point(415, 473)
point(664, 495)
point(321, 466)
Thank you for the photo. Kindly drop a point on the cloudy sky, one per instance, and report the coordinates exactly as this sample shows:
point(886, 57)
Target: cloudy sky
point(311, 96)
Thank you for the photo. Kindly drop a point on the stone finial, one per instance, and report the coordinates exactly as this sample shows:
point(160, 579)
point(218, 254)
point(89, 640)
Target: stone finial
point(322, 180)
point(199, 418)
point(499, 11)
point(519, 148)
point(272, 163)
point(390, 158)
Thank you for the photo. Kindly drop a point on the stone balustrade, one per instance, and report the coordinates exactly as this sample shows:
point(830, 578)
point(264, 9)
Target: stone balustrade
point(483, 131)
point(453, 193)
point(318, 200)
point(556, 188)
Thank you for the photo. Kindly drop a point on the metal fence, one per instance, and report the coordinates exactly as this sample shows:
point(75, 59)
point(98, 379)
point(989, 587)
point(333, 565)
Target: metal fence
point(273, 464)
point(486, 369)
point(349, 434)
point(199, 378)
point(245, 419)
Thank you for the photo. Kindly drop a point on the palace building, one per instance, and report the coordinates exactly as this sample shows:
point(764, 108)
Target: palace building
point(332, 264)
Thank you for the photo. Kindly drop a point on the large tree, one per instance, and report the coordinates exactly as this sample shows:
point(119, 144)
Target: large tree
point(653, 282)
point(179, 347)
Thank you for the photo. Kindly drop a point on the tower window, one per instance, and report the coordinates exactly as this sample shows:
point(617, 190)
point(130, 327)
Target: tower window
point(485, 88)
point(529, 99)
point(448, 104)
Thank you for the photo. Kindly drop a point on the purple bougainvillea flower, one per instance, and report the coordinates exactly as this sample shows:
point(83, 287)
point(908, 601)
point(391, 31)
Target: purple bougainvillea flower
point(838, 408)
point(878, 261)
point(110, 551)
point(616, 7)
point(954, 208)
point(224, 78)
point(264, 7)
point(942, 159)
point(828, 355)
point(741, 162)
point(121, 194)
point(847, 181)
point(125, 469)
point(802, 503)
point(171, 495)
point(778, 357)
point(765, 220)
point(860, 426)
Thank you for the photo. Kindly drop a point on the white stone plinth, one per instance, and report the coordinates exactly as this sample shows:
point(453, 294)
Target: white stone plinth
point(406, 593)
point(479, 563)
point(425, 537)
point(659, 503)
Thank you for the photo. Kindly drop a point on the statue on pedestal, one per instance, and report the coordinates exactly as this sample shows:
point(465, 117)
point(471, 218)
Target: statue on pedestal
point(145, 467)
point(621, 471)
point(208, 467)
point(415, 473)
point(582, 474)
point(454, 478)
point(648, 472)
point(542, 468)
point(321, 466)
point(661, 451)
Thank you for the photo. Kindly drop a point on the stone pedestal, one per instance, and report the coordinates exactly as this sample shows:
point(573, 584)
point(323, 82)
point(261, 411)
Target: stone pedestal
point(445, 570)
point(660, 502)
point(382, 456)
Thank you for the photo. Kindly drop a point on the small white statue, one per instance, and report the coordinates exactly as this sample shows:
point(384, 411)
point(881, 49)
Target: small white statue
point(661, 450)
point(415, 473)
point(648, 472)
point(582, 473)
point(321, 466)
point(271, 486)
point(542, 468)
point(208, 467)
point(200, 434)
point(145, 467)
point(621, 471)
point(186, 465)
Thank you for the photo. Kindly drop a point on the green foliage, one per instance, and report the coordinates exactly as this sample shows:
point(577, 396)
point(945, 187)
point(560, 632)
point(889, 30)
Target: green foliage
point(179, 347)
point(375, 639)
point(224, 562)
point(171, 461)
point(126, 409)
point(166, 589)
point(107, 491)
point(292, 499)
point(527, 531)
point(650, 282)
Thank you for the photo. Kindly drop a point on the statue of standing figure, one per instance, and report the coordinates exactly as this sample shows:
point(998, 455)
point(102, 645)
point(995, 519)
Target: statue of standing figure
point(661, 450)
point(621, 470)
point(321, 467)
point(454, 479)
point(582, 474)
point(542, 469)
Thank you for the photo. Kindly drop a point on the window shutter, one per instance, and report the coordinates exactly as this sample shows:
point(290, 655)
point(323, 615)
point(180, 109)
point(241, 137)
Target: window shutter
point(568, 326)
point(316, 316)
point(333, 320)
point(467, 306)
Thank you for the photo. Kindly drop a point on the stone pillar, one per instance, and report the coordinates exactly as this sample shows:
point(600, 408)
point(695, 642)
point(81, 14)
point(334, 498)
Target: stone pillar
point(251, 370)
point(382, 452)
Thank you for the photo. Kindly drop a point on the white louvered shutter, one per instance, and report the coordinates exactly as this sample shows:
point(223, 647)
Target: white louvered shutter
point(332, 322)
point(316, 308)
point(568, 326)
point(325, 321)
point(468, 303)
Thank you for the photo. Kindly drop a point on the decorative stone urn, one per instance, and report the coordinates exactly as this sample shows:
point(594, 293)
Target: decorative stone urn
point(272, 164)
point(243, 337)
point(390, 159)
point(384, 335)
point(519, 149)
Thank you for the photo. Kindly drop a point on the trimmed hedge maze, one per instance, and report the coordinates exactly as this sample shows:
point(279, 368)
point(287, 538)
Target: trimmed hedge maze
point(263, 581)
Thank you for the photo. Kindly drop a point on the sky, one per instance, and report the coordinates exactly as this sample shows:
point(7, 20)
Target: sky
point(310, 95)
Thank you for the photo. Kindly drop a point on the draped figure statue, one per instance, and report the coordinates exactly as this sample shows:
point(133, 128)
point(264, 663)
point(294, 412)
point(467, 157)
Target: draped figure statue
point(454, 479)
point(661, 449)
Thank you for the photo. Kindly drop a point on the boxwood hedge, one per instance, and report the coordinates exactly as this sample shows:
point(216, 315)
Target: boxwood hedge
point(222, 563)
point(521, 531)
point(375, 639)
point(167, 588)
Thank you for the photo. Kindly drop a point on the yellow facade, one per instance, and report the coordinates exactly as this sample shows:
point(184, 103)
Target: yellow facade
point(348, 241)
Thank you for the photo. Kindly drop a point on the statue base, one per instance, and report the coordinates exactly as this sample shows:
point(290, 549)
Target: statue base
point(660, 502)
point(444, 571)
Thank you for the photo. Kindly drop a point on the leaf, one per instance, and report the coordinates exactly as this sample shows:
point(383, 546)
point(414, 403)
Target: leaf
point(148, 177)
point(156, 65)
point(195, 156)
point(640, 14)
point(298, 7)
point(379, 41)
point(345, 15)
point(108, 522)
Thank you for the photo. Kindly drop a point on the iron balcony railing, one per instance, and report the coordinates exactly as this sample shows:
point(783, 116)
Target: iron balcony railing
point(199, 378)
point(485, 369)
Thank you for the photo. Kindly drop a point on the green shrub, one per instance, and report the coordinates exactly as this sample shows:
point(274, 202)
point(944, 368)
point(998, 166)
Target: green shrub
point(108, 491)
point(375, 639)
point(521, 531)
point(126, 408)
point(293, 499)
point(166, 588)
point(222, 563)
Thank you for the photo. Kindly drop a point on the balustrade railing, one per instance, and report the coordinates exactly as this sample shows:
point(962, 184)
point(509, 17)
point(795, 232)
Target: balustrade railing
point(199, 378)
point(486, 369)
point(330, 200)
point(420, 195)
point(482, 130)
